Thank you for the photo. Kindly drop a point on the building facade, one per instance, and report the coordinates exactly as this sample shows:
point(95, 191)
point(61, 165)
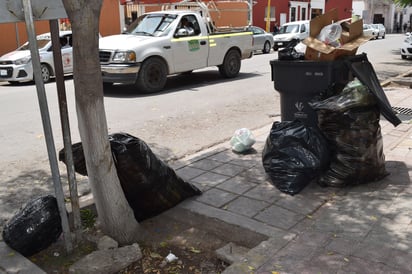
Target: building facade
point(282, 11)
point(395, 18)
point(262, 13)
point(116, 14)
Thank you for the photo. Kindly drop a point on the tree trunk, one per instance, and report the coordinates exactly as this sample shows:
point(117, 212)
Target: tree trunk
point(114, 213)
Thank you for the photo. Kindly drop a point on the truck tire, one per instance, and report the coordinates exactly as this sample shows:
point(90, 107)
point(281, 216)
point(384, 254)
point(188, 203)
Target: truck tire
point(152, 75)
point(231, 64)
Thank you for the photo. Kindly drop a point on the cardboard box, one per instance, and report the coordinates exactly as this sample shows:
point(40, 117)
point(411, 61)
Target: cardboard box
point(351, 38)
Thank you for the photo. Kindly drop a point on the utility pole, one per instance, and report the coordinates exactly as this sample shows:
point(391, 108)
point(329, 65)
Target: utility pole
point(268, 17)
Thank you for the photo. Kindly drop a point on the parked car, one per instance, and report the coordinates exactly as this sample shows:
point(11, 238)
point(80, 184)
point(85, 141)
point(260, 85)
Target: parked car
point(291, 31)
point(406, 47)
point(368, 30)
point(262, 40)
point(16, 66)
point(380, 29)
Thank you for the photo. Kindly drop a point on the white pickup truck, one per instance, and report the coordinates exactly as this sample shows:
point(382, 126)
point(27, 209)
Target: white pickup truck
point(157, 45)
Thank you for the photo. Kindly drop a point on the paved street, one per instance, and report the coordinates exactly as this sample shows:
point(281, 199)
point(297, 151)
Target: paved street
point(361, 229)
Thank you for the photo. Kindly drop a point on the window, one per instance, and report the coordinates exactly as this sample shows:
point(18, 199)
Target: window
point(272, 14)
point(293, 14)
point(303, 14)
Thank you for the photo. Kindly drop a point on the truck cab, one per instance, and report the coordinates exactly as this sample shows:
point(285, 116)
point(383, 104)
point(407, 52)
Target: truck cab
point(163, 43)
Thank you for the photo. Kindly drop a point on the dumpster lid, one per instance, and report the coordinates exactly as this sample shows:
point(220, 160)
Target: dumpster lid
point(363, 70)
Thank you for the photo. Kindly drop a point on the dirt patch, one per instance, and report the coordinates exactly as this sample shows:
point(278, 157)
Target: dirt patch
point(192, 238)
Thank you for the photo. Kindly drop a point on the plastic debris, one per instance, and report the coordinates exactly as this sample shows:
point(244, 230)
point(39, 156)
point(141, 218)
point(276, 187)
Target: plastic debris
point(242, 140)
point(171, 257)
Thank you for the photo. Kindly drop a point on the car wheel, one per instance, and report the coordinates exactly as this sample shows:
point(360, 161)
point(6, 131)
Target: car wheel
point(383, 36)
point(266, 47)
point(403, 56)
point(152, 75)
point(14, 83)
point(231, 64)
point(275, 48)
point(45, 73)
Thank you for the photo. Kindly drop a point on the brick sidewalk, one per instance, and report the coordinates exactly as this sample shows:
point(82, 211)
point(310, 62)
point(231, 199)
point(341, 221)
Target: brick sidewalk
point(358, 229)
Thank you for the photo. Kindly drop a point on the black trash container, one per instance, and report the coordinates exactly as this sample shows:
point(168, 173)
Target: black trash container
point(298, 82)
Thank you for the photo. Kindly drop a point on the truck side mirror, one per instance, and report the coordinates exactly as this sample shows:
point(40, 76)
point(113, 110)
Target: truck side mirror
point(182, 33)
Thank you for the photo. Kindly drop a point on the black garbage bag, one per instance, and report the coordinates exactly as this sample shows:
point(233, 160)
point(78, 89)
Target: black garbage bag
point(34, 227)
point(294, 155)
point(290, 53)
point(149, 184)
point(363, 70)
point(350, 122)
point(78, 158)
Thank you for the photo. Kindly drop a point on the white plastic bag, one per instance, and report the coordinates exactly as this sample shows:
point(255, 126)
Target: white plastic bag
point(242, 140)
point(330, 35)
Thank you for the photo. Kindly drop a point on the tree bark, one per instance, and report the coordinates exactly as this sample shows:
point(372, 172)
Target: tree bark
point(114, 213)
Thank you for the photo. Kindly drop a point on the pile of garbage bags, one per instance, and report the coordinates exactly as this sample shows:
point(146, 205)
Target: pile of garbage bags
point(149, 184)
point(345, 148)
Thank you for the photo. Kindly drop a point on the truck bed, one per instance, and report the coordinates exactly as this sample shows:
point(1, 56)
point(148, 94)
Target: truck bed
point(228, 30)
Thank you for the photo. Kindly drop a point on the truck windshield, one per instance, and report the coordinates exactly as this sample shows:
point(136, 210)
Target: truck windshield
point(289, 29)
point(152, 25)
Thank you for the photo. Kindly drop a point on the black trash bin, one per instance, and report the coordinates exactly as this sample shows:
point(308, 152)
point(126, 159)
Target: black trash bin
point(298, 82)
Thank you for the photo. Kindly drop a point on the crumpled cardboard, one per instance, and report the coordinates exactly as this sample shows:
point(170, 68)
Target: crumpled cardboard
point(351, 38)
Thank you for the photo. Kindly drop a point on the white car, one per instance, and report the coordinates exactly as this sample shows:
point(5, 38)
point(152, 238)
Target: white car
point(297, 30)
point(406, 48)
point(368, 30)
point(16, 66)
point(380, 29)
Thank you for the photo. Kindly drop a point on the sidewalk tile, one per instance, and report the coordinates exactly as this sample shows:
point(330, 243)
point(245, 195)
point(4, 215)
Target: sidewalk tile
point(246, 206)
point(279, 217)
point(216, 197)
point(238, 185)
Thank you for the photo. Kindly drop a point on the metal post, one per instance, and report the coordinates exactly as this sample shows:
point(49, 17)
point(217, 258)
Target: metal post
point(64, 118)
point(16, 29)
point(41, 94)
